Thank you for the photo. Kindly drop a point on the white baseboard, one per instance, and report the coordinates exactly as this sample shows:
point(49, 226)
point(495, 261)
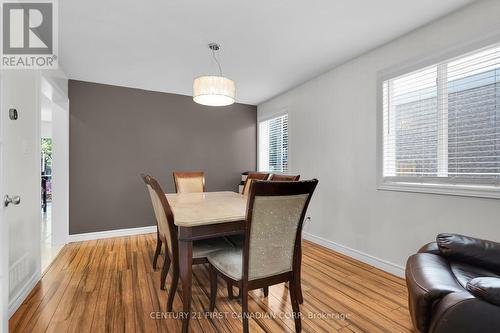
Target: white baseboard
point(111, 233)
point(361, 256)
point(16, 302)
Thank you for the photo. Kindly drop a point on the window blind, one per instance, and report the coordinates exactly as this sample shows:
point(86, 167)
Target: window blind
point(442, 122)
point(273, 144)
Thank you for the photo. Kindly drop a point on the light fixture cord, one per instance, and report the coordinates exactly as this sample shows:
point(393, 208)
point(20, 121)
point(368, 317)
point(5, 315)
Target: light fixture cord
point(217, 62)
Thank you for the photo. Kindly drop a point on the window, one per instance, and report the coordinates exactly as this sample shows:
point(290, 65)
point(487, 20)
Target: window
point(273, 144)
point(441, 124)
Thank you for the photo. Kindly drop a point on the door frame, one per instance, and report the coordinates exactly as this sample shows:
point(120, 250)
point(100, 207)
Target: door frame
point(60, 118)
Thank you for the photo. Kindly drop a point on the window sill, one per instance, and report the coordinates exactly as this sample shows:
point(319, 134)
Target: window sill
point(479, 191)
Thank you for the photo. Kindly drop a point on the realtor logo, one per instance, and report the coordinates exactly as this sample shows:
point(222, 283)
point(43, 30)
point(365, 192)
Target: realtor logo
point(29, 38)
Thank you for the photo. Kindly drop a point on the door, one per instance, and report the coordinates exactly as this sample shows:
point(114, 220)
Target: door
point(20, 165)
point(4, 246)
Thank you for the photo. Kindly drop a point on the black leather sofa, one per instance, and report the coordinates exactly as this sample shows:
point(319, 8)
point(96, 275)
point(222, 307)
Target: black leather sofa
point(454, 285)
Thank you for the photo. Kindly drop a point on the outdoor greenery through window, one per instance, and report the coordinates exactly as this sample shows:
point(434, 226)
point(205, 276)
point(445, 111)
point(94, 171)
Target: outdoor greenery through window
point(442, 123)
point(273, 145)
point(46, 159)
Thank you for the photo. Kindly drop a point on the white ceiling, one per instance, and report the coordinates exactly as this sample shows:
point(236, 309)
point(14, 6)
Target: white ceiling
point(267, 46)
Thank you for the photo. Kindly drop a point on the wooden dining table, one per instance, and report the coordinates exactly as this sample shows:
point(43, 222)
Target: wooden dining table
point(200, 216)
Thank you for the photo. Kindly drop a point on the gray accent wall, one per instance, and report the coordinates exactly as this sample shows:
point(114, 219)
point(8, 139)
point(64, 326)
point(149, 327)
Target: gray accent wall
point(116, 133)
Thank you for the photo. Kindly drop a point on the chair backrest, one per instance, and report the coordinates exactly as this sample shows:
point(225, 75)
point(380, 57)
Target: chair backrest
point(275, 214)
point(163, 214)
point(286, 178)
point(251, 177)
point(189, 182)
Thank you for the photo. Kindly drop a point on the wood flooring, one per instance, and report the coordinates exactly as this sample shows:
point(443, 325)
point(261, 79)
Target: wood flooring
point(109, 285)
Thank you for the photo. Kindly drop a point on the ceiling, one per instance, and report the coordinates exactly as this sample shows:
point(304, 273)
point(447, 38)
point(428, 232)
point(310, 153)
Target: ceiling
point(268, 46)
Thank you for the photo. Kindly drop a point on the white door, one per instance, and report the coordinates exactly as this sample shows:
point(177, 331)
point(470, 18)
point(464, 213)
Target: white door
point(20, 165)
point(4, 246)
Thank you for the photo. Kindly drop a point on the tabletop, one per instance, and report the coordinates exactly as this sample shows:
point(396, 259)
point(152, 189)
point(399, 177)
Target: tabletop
point(196, 209)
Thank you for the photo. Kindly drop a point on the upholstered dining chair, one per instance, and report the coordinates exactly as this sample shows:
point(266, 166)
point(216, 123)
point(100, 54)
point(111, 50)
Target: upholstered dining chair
point(145, 178)
point(270, 253)
point(251, 177)
point(167, 235)
point(281, 178)
point(239, 239)
point(188, 182)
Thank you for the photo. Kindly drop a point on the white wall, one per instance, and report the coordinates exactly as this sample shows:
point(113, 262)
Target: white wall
point(332, 121)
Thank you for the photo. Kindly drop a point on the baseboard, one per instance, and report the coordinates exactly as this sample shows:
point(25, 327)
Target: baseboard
point(111, 233)
point(15, 303)
point(361, 256)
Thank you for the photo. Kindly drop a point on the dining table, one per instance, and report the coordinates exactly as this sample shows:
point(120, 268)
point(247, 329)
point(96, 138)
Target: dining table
point(199, 216)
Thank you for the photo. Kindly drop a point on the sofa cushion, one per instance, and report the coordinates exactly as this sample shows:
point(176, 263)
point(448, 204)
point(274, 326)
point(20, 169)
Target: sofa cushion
point(486, 288)
point(477, 252)
point(429, 278)
point(465, 272)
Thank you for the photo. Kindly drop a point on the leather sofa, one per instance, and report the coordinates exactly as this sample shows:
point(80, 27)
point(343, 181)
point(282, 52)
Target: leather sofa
point(454, 285)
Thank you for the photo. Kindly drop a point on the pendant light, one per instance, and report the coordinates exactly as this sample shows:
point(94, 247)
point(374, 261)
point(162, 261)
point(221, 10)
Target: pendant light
point(213, 90)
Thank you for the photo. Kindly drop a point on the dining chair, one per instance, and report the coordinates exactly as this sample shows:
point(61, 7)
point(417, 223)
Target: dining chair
point(278, 177)
point(251, 177)
point(145, 178)
point(271, 250)
point(238, 239)
point(189, 182)
point(167, 235)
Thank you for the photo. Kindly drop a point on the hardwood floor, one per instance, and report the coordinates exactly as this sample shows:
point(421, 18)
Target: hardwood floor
point(109, 286)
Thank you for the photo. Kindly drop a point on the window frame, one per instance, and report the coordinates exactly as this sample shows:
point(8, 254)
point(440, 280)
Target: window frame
point(430, 185)
point(281, 112)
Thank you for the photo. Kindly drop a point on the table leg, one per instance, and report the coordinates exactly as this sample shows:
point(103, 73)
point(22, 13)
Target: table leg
point(186, 270)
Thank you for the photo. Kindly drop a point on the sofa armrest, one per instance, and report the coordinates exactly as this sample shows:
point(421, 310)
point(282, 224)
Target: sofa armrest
point(486, 288)
point(475, 251)
point(428, 279)
point(461, 312)
point(430, 248)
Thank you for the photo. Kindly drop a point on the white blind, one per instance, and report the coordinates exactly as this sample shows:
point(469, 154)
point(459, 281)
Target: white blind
point(273, 144)
point(442, 122)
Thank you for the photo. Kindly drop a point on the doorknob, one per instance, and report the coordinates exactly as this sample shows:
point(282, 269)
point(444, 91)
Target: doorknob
point(15, 200)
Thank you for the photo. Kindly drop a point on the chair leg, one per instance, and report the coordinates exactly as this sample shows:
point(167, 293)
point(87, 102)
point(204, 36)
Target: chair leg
point(172, 290)
point(164, 271)
point(244, 307)
point(230, 290)
point(157, 252)
point(294, 287)
point(213, 287)
point(300, 297)
point(266, 291)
